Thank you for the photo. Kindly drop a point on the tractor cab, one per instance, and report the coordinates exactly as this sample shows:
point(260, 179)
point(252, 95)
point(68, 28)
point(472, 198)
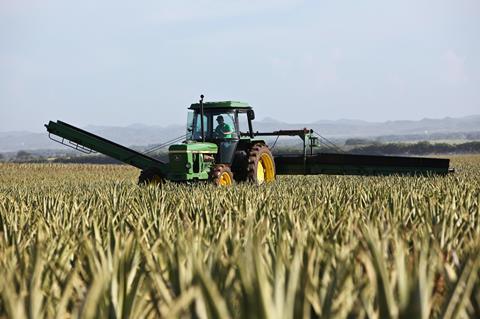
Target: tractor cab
point(224, 124)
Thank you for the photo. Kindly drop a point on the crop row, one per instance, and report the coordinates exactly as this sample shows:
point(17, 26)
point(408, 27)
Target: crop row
point(85, 241)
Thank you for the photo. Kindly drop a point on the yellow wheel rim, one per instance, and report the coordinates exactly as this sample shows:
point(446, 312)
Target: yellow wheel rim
point(265, 169)
point(225, 179)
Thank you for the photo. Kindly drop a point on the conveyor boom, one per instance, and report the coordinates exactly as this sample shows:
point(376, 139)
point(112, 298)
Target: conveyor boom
point(86, 141)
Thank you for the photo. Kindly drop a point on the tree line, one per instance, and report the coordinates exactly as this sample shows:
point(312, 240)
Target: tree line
point(420, 148)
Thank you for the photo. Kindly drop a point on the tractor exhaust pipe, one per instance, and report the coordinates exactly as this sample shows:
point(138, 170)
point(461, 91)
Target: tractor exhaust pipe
point(201, 118)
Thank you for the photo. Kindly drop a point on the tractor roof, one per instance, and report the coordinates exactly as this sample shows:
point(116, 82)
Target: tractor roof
point(222, 105)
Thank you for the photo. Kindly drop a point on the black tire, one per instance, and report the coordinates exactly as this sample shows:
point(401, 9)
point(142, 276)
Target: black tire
point(221, 175)
point(259, 154)
point(150, 175)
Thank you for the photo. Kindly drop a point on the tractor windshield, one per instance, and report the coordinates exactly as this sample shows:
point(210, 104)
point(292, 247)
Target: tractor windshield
point(217, 126)
point(224, 126)
point(190, 117)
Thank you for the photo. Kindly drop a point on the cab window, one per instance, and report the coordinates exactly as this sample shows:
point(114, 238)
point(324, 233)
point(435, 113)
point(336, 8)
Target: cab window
point(224, 126)
point(243, 123)
point(196, 129)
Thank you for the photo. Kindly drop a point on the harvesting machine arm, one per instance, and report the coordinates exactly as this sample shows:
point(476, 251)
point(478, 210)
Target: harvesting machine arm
point(87, 142)
point(340, 163)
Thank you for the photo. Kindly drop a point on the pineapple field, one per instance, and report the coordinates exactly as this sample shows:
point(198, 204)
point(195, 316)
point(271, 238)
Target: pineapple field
point(85, 241)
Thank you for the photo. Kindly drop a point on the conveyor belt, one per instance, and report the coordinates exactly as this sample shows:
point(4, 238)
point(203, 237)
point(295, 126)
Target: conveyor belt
point(76, 136)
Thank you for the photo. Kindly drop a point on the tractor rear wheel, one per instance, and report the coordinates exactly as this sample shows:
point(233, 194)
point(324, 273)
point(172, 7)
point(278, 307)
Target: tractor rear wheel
point(261, 166)
point(221, 175)
point(150, 175)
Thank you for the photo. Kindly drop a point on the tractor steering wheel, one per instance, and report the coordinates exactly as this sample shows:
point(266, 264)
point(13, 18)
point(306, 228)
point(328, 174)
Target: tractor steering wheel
point(218, 135)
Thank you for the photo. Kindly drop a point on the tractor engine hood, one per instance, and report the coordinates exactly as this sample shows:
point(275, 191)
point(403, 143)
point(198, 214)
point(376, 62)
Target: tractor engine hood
point(196, 147)
point(191, 161)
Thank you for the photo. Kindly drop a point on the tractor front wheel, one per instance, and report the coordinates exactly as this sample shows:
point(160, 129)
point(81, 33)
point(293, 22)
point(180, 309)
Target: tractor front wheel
point(221, 175)
point(150, 175)
point(261, 166)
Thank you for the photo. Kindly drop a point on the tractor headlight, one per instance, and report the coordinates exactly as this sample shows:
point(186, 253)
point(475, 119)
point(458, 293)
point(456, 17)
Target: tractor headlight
point(187, 166)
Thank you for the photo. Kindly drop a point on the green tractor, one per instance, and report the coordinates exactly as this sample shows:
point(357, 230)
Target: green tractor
point(221, 147)
point(215, 149)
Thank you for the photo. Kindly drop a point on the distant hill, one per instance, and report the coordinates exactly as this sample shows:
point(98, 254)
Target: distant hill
point(355, 128)
point(130, 135)
point(143, 135)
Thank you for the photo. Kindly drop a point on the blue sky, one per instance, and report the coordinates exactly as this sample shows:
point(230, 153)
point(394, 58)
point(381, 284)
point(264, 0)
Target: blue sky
point(124, 62)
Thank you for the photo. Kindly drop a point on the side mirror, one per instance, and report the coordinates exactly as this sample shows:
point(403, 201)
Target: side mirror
point(251, 115)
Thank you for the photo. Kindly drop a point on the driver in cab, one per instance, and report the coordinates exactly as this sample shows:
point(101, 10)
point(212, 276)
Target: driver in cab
point(223, 130)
